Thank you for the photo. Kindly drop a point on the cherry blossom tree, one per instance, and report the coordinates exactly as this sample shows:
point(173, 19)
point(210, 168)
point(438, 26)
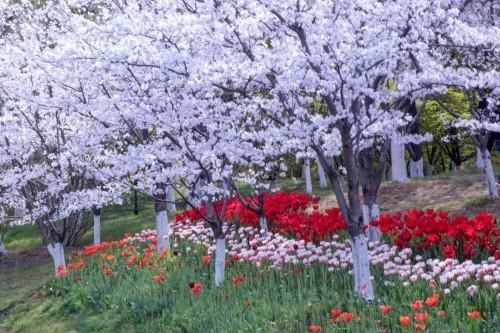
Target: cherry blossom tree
point(48, 153)
point(469, 53)
point(309, 53)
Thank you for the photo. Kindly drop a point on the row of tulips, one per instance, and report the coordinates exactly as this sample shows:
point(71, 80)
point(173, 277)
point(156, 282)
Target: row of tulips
point(452, 237)
point(424, 231)
point(273, 250)
point(292, 213)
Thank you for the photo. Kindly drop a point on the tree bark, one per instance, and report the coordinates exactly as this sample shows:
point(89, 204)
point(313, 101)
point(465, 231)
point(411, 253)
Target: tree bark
point(354, 219)
point(162, 231)
point(417, 168)
point(220, 260)
point(97, 226)
point(430, 170)
point(307, 171)
point(3, 250)
point(263, 224)
point(56, 251)
point(136, 203)
point(371, 211)
point(171, 199)
point(479, 159)
point(489, 173)
point(361, 268)
point(398, 166)
point(162, 225)
point(322, 178)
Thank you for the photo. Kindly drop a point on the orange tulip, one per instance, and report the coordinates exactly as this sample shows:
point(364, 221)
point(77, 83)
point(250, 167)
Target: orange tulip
point(474, 314)
point(421, 317)
point(205, 259)
point(417, 305)
point(385, 309)
point(195, 288)
point(314, 328)
point(107, 271)
point(419, 327)
point(159, 278)
point(335, 313)
point(432, 301)
point(61, 271)
point(441, 313)
point(237, 279)
point(404, 320)
point(346, 316)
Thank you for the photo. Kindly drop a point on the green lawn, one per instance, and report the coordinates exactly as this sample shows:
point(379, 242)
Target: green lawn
point(19, 283)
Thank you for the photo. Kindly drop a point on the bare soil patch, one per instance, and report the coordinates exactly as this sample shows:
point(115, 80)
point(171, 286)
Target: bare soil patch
point(23, 258)
point(464, 194)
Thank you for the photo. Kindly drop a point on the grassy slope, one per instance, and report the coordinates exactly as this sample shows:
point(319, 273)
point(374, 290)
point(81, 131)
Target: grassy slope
point(462, 192)
point(29, 266)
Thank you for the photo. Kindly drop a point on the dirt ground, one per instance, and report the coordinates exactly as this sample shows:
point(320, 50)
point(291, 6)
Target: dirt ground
point(19, 259)
point(465, 195)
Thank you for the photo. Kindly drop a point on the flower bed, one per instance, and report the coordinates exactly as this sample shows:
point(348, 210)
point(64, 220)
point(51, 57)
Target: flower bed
point(306, 285)
point(274, 250)
point(291, 213)
point(431, 231)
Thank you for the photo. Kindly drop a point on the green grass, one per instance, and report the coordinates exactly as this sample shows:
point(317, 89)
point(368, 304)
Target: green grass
point(116, 221)
point(19, 282)
point(22, 237)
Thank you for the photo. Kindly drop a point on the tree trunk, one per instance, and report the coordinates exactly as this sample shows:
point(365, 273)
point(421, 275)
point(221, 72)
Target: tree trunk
point(56, 251)
point(162, 225)
point(479, 159)
point(171, 199)
point(263, 224)
point(417, 168)
point(220, 260)
point(354, 217)
point(162, 231)
point(3, 250)
point(136, 203)
point(489, 173)
point(97, 226)
point(307, 171)
point(322, 178)
point(361, 268)
point(371, 212)
point(429, 170)
point(398, 166)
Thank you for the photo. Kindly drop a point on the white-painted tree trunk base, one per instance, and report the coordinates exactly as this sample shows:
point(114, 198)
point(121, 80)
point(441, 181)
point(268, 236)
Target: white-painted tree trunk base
point(162, 231)
point(307, 168)
point(479, 159)
point(97, 229)
point(3, 250)
point(489, 174)
point(370, 214)
point(417, 168)
point(56, 251)
point(263, 224)
point(361, 268)
point(322, 177)
point(171, 199)
point(220, 258)
point(398, 165)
